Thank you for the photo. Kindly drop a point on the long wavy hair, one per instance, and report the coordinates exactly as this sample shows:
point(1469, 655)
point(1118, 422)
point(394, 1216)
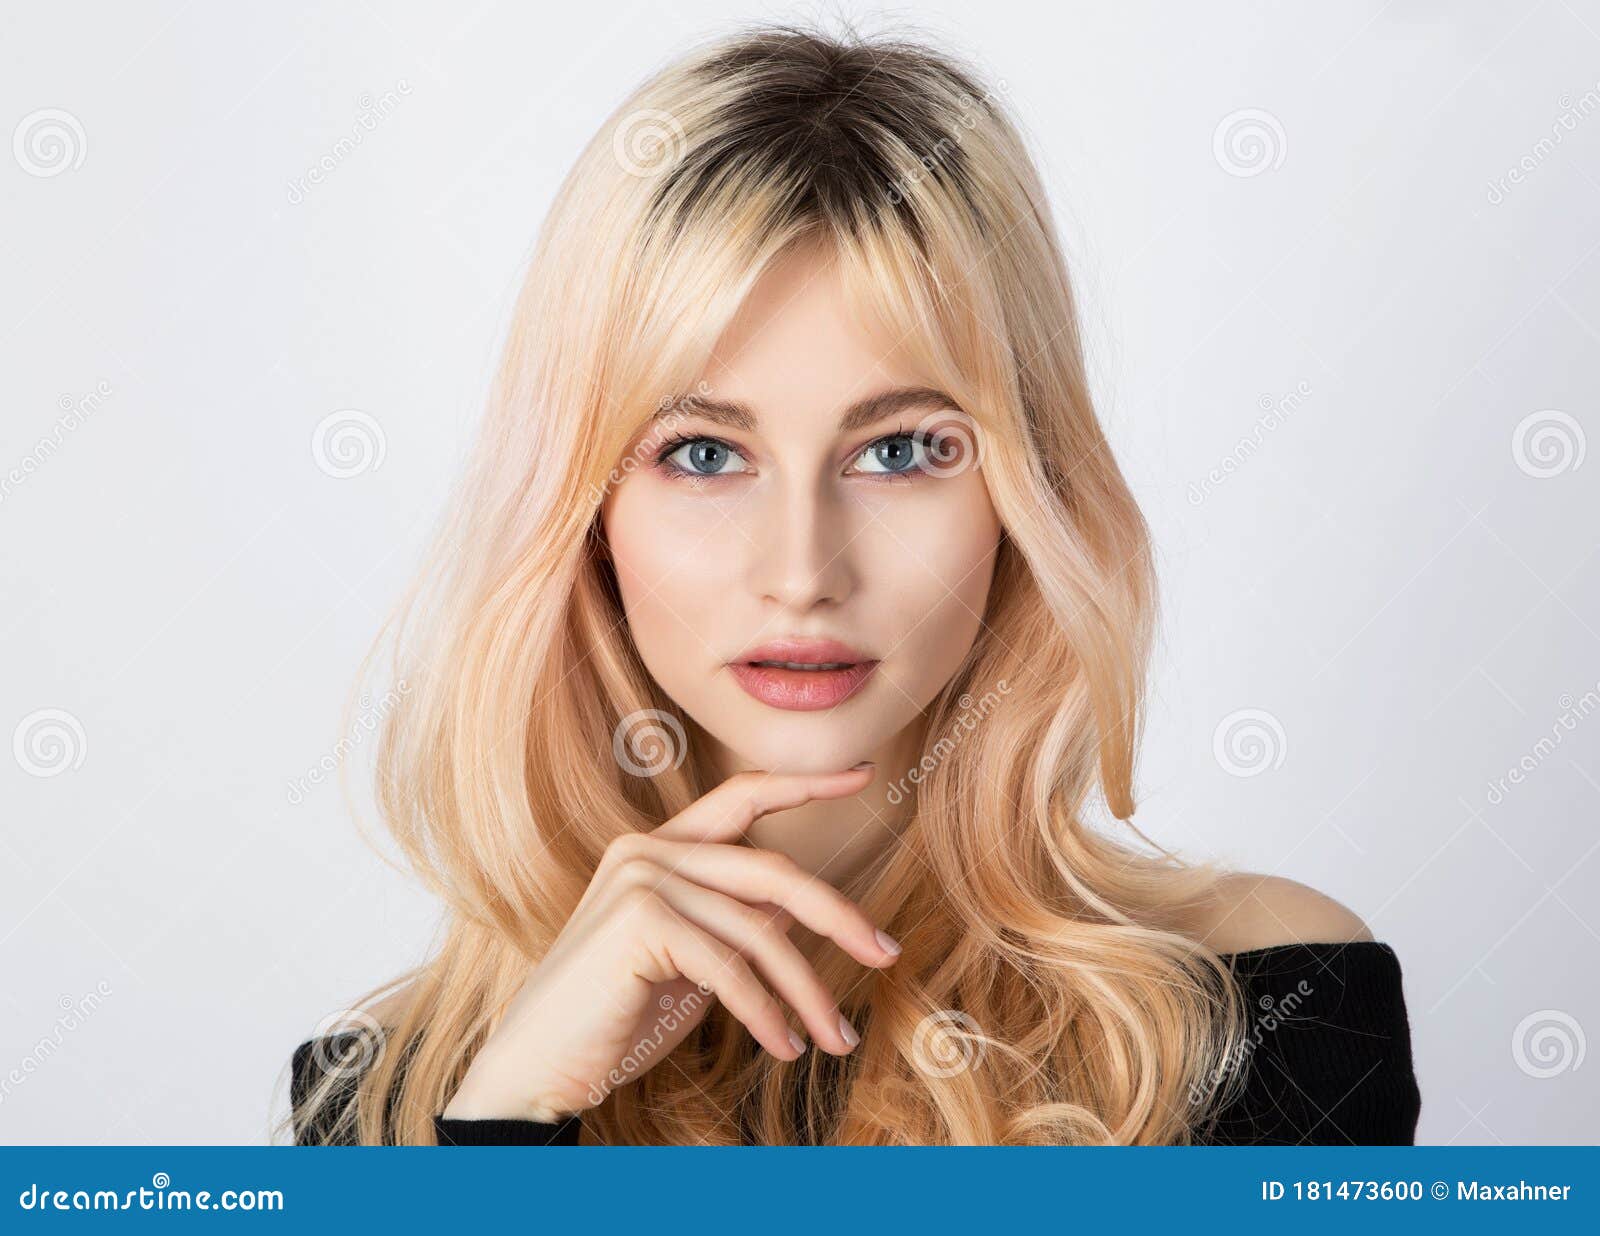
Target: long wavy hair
point(1046, 993)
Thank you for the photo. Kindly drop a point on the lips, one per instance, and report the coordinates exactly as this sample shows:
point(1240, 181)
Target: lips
point(802, 675)
point(804, 651)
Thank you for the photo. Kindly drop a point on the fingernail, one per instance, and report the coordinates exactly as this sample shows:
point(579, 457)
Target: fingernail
point(863, 764)
point(848, 1032)
point(796, 1042)
point(888, 943)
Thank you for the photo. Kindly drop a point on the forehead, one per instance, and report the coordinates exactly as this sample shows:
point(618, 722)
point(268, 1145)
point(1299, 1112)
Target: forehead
point(798, 351)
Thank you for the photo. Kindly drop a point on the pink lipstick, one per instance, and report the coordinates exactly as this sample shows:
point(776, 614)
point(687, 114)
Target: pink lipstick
point(802, 675)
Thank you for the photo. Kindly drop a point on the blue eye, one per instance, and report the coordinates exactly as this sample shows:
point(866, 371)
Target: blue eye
point(703, 457)
point(897, 453)
point(903, 454)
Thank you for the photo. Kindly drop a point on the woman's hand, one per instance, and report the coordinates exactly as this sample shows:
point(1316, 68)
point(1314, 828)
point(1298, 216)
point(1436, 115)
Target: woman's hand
point(669, 916)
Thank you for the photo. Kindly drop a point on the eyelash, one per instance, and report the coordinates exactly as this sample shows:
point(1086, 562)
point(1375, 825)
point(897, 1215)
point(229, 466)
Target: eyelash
point(698, 479)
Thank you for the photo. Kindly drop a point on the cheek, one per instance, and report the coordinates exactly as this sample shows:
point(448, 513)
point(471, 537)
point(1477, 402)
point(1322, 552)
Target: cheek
point(932, 562)
point(673, 563)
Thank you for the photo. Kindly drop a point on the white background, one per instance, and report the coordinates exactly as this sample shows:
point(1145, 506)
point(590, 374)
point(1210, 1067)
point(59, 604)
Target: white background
point(1413, 608)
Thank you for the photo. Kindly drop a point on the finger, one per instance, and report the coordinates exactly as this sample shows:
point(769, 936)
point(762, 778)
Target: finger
point(755, 931)
point(725, 812)
point(765, 876)
point(628, 848)
point(781, 918)
point(790, 976)
point(717, 967)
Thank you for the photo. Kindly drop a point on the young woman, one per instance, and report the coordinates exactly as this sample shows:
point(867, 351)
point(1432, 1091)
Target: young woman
point(791, 614)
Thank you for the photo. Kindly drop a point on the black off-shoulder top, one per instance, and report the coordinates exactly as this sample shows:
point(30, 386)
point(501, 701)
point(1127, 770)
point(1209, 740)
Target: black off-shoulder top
point(1327, 1060)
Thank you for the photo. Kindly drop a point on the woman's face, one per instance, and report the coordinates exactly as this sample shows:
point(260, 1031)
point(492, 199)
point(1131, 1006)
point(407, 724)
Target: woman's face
point(792, 510)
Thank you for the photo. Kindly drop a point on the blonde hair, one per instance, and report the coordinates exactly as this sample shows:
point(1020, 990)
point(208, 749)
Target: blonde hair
point(1045, 993)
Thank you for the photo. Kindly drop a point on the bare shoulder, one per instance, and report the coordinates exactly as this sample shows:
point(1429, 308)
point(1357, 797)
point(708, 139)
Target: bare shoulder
point(1252, 911)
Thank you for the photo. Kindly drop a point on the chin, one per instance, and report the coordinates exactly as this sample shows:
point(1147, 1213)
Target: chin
point(790, 761)
point(793, 742)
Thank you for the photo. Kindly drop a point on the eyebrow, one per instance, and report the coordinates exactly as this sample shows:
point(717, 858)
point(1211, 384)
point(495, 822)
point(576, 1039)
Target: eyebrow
point(859, 415)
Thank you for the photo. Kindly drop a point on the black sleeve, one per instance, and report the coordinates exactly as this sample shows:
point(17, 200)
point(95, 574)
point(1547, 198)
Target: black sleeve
point(506, 1132)
point(317, 1058)
point(1327, 1057)
point(312, 1061)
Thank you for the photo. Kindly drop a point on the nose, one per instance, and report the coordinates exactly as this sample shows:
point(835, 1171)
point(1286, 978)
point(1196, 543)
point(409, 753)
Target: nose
point(800, 549)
